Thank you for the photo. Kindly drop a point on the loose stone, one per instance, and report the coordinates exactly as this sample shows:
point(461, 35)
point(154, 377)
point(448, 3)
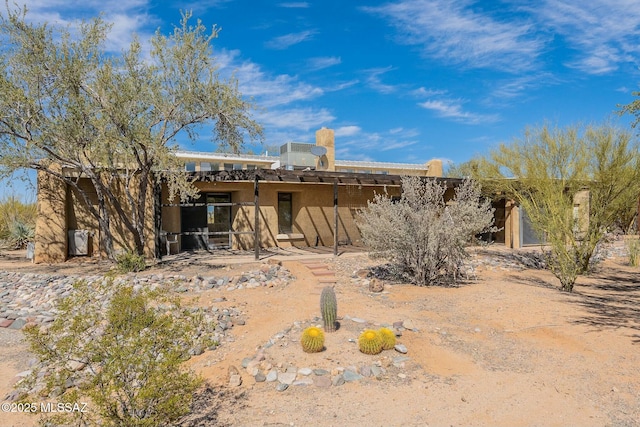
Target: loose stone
point(272, 375)
point(401, 348)
point(305, 371)
point(337, 381)
point(287, 377)
point(350, 376)
point(303, 382)
point(322, 381)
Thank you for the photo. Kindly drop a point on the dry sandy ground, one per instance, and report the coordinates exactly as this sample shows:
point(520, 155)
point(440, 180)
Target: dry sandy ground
point(507, 349)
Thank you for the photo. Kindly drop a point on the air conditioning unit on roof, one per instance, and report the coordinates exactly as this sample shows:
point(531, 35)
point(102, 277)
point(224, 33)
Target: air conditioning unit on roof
point(297, 155)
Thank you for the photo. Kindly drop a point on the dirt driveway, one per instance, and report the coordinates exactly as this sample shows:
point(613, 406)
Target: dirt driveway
point(506, 349)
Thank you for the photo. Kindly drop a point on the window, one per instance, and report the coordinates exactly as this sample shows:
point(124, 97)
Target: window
point(215, 166)
point(190, 166)
point(237, 166)
point(285, 213)
point(205, 166)
point(228, 166)
point(251, 167)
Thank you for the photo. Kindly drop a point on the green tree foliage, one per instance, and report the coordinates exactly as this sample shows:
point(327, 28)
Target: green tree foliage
point(547, 169)
point(123, 349)
point(112, 119)
point(421, 234)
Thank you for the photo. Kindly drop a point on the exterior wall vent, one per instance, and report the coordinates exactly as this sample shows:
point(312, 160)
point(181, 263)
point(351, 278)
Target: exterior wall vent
point(78, 242)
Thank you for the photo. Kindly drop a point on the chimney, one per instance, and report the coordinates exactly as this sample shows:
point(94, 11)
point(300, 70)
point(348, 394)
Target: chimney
point(326, 138)
point(435, 167)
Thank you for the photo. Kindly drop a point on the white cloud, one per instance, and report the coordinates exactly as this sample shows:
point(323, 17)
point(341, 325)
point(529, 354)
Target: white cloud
point(295, 5)
point(340, 86)
point(422, 92)
point(604, 33)
point(354, 146)
point(397, 145)
point(296, 118)
point(347, 131)
point(269, 90)
point(322, 62)
point(288, 40)
point(454, 32)
point(452, 109)
point(127, 17)
point(374, 80)
point(516, 87)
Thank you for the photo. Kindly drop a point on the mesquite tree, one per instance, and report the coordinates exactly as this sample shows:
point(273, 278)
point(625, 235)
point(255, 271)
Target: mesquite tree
point(112, 119)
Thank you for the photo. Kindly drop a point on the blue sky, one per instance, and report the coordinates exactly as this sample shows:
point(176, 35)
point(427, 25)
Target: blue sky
point(404, 80)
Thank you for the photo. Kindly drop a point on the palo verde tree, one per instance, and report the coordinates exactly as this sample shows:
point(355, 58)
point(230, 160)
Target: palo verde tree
point(545, 171)
point(112, 119)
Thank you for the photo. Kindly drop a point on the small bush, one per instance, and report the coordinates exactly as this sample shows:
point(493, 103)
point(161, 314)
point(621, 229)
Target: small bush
point(17, 222)
point(422, 234)
point(123, 349)
point(130, 262)
point(20, 234)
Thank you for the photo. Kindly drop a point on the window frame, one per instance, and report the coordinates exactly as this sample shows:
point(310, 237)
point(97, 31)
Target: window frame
point(285, 203)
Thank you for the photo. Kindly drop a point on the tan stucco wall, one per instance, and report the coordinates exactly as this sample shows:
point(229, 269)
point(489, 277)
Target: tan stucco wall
point(51, 224)
point(511, 225)
point(312, 208)
point(61, 208)
point(581, 201)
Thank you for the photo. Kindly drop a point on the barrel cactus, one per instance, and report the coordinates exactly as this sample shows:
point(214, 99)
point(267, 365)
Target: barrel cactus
point(312, 340)
point(329, 308)
point(370, 342)
point(388, 338)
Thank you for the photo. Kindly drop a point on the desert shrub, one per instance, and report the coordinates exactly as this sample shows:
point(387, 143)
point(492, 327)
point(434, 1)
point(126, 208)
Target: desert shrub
point(20, 234)
point(421, 234)
point(129, 261)
point(17, 222)
point(123, 349)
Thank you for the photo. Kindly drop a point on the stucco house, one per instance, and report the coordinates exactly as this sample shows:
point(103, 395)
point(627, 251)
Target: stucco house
point(302, 196)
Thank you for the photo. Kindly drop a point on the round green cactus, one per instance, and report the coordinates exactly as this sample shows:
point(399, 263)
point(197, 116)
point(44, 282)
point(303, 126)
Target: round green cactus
point(370, 342)
point(312, 340)
point(388, 338)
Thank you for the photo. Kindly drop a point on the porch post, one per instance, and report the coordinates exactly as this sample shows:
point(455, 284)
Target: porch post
point(256, 220)
point(157, 211)
point(335, 218)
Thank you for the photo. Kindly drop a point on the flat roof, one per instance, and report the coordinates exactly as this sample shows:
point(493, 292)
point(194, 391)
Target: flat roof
point(183, 154)
point(387, 165)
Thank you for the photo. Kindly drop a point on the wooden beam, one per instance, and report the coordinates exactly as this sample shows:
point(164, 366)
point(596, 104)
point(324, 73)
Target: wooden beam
point(256, 219)
point(335, 218)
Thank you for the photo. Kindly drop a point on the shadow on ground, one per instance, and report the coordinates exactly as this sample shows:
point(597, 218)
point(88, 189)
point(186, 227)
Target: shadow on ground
point(206, 405)
point(612, 300)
